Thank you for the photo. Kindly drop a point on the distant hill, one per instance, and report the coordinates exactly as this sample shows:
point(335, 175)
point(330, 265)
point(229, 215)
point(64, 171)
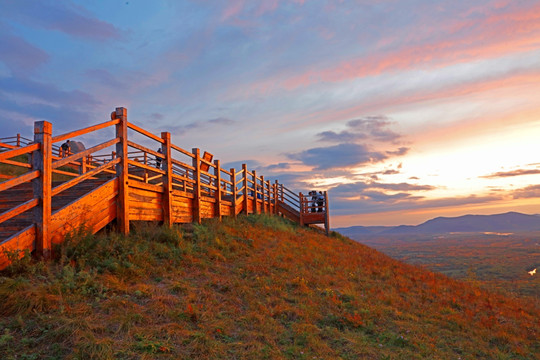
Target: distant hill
point(507, 222)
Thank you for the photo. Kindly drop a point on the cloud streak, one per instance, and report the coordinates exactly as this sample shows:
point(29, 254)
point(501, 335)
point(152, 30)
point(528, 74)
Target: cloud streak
point(60, 16)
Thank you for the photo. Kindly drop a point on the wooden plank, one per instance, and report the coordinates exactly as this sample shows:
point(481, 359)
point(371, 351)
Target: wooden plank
point(27, 205)
point(42, 161)
point(141, 130)
point(245, 179)
point(313, 218)
point(255, 192)
point(167, 179)
point(145, 150)
point(144, 186)
point(157, 214)
point(301, 209)
point(179, 149)
point(206, 162)
point(234, 191)
point(84, 211)
point(19, 180)
point(276, 187)
point(86, 130)
point(217, 172)
point(7, 146)
point(183, 194)
point(17, 163)
point(122, 212)
point(24, 239)
point(197, 186)
point(146, 167)
point(139, 194)
point(18, 151)
point(326, 214)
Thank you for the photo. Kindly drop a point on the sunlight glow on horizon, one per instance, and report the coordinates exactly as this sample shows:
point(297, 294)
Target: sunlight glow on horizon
point(400, 118)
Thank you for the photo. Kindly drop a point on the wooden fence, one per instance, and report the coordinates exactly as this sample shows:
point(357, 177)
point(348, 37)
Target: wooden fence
point(121, 179)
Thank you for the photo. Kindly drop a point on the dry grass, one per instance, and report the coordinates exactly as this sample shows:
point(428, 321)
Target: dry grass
point(256, 288)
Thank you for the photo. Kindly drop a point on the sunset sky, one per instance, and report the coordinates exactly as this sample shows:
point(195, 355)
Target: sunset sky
point(404, 110)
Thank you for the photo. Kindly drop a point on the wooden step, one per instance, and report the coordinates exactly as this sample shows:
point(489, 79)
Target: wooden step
point(23, 192)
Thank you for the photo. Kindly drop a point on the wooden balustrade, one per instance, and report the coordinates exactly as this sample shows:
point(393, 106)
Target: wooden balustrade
point(126, 184)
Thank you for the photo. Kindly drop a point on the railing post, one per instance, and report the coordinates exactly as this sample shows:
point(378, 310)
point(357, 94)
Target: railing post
point(268, 199)
point(197, 185)
point(145, 177)
point(327, 214)
point(275, 197)
point(82, 167)
point(263, 205)
point(167, 179)
point(246, 183)
point(42, 161)
point(282, 196)
point(122, 213)
point(217, 173)
point(18, 140)
point(301, 209)
point(255, 192)
point(234, 190)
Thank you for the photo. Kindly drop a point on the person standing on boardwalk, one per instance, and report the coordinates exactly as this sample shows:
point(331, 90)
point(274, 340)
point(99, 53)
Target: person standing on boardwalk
point(320, 201)
point(313, 201)
point(158, 159)
point(65, 149)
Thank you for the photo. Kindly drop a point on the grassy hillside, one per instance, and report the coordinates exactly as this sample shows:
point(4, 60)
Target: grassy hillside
point(257, 288)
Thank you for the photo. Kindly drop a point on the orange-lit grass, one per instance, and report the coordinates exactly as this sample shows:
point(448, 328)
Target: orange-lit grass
point(257, 288)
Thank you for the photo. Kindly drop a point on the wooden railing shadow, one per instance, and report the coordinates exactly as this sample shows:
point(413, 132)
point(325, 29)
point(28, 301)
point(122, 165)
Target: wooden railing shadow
point(121, 179)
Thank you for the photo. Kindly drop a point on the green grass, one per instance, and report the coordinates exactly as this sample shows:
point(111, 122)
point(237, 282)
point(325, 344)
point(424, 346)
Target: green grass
point(259, 287)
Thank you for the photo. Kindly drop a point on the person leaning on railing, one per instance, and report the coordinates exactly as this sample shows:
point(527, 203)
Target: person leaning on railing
point(65, 149)
point(313, 201)
point(320, 201)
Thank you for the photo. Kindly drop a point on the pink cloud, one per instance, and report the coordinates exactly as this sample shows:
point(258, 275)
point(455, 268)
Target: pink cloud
point(495, 35)
point(233, 8)
point(19, 55)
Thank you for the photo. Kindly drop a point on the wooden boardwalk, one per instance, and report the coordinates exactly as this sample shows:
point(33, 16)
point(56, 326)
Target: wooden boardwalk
point(123, 180)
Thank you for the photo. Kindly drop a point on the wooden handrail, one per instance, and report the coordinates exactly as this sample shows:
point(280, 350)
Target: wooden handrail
point(87, 130)
point(18, 151)
point(16, 163)
point(19, 180)
point(18, 210)
point(144, 132)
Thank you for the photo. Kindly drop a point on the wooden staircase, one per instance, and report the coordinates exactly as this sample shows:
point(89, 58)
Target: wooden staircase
point(24, 192)
point(130, 183)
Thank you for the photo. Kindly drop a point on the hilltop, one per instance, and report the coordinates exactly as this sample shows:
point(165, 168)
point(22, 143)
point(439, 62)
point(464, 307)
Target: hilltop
point(259, 287)
point(507, 222)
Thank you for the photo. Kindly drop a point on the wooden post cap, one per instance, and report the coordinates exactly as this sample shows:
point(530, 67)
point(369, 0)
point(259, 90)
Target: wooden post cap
point(121, 111)
point(42, 127)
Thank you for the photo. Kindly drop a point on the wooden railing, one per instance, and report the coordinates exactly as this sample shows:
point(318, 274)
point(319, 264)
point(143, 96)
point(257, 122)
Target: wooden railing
point(128, 181)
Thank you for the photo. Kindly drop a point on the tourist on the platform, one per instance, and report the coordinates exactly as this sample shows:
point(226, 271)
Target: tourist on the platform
point(65, 149)
point(158, 159)
point(320, 201)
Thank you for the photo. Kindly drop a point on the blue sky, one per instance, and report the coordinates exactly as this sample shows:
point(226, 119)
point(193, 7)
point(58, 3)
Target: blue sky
point(403, 110)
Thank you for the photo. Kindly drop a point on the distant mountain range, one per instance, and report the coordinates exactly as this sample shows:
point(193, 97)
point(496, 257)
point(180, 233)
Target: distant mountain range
point(510, 222)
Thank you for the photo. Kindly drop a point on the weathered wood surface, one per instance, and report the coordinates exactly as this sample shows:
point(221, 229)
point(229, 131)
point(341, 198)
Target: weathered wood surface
point(89, 211)
point(22, 240)
point(86, 130)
